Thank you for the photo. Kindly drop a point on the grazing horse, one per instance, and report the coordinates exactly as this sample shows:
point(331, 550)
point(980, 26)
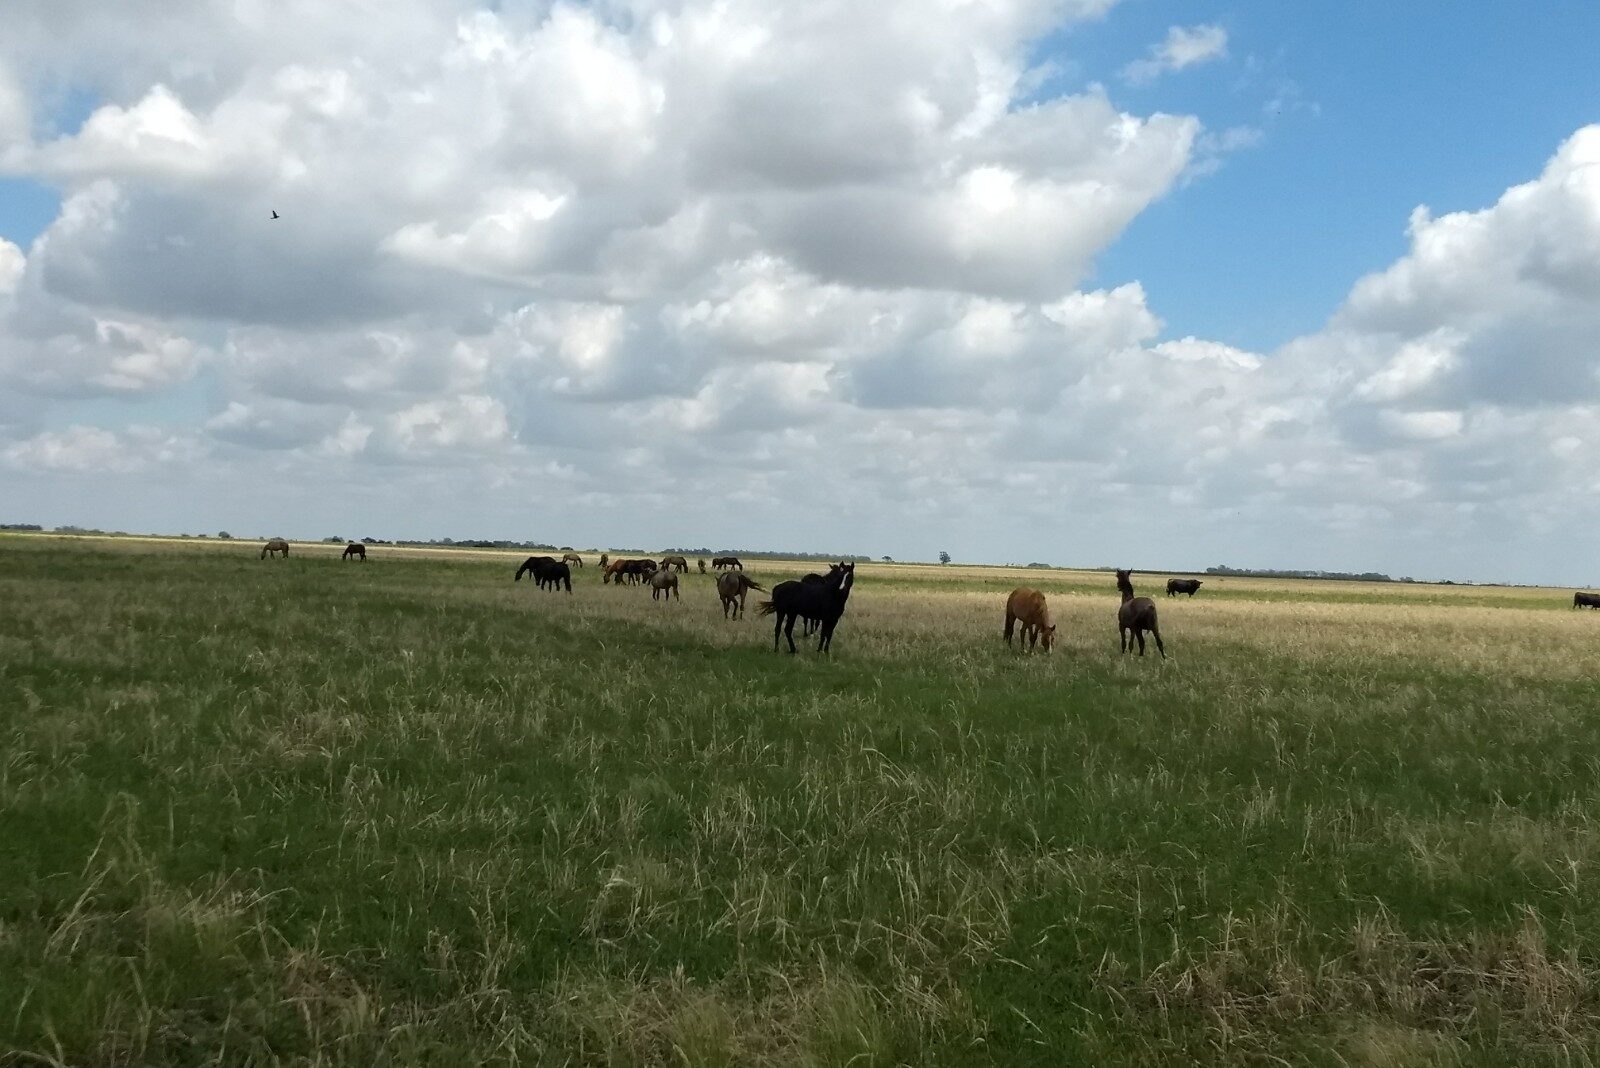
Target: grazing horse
point(605, 558)
point(674, 562)
point(1177, 586)
point(572, 558)
point(1586, 600)
point(274, 547)
point(702, 564)
point(638, 571)
point(1028, 607)
point(612, 569)
point(355, 548)
point(1136, 615)
point(731, 562)
point(664, 583)
point(532, 566)
point(822, 601)
point(731, 587)
point(548, 572)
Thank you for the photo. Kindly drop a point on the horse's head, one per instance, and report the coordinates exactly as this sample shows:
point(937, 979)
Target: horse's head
point(1123, 582)
point(1047, 636)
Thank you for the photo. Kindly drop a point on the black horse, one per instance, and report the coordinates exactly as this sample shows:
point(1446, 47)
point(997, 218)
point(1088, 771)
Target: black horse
point(822, 601)
point(1189, 586)
point(547, 572)
point(1586, 600)
point(355, 549)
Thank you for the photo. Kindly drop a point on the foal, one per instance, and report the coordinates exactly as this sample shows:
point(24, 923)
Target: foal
point(1137, 614)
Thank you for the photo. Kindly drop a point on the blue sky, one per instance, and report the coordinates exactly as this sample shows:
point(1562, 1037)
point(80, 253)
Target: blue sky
point(542, 270)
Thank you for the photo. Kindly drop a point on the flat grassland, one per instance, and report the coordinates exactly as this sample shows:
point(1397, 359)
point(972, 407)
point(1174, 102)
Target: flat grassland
point(410, 812)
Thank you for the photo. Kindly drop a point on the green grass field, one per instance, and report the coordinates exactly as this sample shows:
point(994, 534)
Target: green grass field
point(408, 812)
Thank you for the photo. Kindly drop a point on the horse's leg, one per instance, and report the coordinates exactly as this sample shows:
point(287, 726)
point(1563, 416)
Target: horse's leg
point(777, 629)
point(1155, 632)
point(1122, 634)
point(788, 633)
point(1011, 621)
point(1138, 632)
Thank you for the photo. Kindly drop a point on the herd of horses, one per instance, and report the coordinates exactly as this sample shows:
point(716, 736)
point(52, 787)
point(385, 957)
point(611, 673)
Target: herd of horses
point(818, 601)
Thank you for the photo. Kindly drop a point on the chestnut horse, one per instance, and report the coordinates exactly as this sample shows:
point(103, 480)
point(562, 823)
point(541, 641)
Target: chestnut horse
point(1027, 606)
point(274, 547)
point(1135, 616)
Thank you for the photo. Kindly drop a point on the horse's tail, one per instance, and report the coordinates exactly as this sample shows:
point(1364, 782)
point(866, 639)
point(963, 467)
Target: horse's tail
point(751, 585)
point(765, 608)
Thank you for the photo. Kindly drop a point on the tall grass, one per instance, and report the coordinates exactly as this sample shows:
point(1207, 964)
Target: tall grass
point(410, 812)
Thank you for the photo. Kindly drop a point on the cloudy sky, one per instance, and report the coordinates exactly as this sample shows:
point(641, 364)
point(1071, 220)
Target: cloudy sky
point(1153, 283)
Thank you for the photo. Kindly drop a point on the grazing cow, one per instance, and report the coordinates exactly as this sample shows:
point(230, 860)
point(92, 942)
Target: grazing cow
point(823, 601)
point(1586, 600)
point(274, 547)
point(1177, 586)
point(1135, 616)
point(355, 548)
point(677, 562)
point(1028, 607)
point(731, 587)
point(732, 562)
point(664, 583)
point(572, 558)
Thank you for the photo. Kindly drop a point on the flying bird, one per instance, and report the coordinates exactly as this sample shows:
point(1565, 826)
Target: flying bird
point(274, 215)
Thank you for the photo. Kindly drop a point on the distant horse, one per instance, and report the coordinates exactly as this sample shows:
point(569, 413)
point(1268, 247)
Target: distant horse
point(1028, 607)
point(702, 564)
point(605, 558)
point(531, 566)
point(572, 558)
point(1586, 600)
point(822, 601)
point(720, 562)
point(731, 587)
point(274, 547)
point(664, 583)
point(637, 571)
point(355, 548)
point(1137, 615)
point(1177, 586)
point(677, 562)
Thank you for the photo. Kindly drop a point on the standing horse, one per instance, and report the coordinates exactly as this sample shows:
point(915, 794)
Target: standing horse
point(1028, 607)
point(553, 575)
point(822, 601)
point(274, 547)
point(664, 583)
point(605, 558)
point(731, 587)
point(572, 558)
point(1136, 615)
point(355, 548)
point(1177, 586)
point(809, 627)
point(702, 564)
point(677, 562)
point(731, 562)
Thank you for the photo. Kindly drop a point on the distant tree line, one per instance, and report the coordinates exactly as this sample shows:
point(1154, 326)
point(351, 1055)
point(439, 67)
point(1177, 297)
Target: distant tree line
point(1267, 572)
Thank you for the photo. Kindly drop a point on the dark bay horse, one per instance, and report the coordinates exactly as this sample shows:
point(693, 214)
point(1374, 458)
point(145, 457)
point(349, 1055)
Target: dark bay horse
point(823, 601)
point(731, 587)
point(678, 562)
point(664, 583)
point(720, 562)
point(1135, 616)
point(274, 547)
point(1586, 600)
point(548, 572)
point(1177, 586)
point(355, 548)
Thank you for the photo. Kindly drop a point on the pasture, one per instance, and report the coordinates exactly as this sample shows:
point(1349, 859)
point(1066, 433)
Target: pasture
point(269, 811)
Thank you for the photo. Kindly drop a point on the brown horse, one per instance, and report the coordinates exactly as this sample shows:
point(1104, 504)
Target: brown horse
point(274, 547)
point(677, 562)
point(731, 587)
point(355, 548)
point(730, 562)
point(1586, 600)
point(572, 558)
point(1028, 607)
point(664, 583)
point(605, 558)
point(702, 564)
point(1135, 616)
